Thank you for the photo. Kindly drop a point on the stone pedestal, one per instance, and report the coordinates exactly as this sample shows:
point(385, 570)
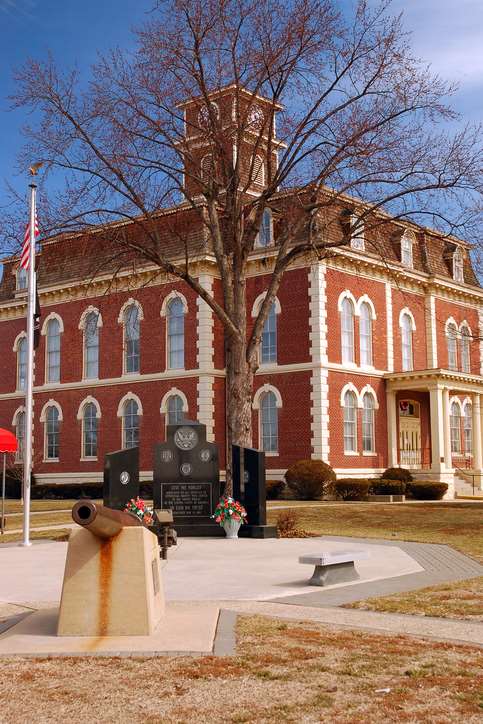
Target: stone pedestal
point(112, 587)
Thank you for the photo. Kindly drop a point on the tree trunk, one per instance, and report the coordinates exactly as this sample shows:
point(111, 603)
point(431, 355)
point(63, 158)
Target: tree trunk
point(239, 390)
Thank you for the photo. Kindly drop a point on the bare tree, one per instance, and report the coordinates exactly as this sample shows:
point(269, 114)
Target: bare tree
point(350, 120)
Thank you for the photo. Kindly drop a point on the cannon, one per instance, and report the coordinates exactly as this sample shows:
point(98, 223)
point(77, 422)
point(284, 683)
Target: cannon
point(101, 521)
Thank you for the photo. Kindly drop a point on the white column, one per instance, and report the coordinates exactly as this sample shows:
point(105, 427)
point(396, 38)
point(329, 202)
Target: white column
point(391, 429)
point(438, 456)
point(431, 340)
point(319, 395)
point(204, 357)
point(389, 330)
point(447, 432)
point(476, 429)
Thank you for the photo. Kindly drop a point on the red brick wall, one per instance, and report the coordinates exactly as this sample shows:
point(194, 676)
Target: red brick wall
point(8, 360)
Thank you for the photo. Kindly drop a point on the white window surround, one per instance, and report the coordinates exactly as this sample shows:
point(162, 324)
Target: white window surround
point(21, 335)
point(346, 294)
point(88, 400)
point(458, 265)
point(174, 331)
point(262, 391)
point(173, 295)
point(406, 311)
point(357, 232)
point(50, 403)
point(264, 395)
point(21, 340)
point(164, 402)
point(353, 394)
point(365, 299)
point(368, 390)
point(49, 318)
point(408, 240)
point(43, 418)
point(457, 401)
point(121, 317)
point(258, 303)
point(85, 314)
point(21, 272)
point(17, 412)
point(350, 387)
point(464, 325)
point(129, 396)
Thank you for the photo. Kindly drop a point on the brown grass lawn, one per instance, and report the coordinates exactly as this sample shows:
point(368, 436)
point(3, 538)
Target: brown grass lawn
point(15, 506)
point(59, 534)
point(283, 672)
point(463, 599)
point(36, 521)
point(459, 525)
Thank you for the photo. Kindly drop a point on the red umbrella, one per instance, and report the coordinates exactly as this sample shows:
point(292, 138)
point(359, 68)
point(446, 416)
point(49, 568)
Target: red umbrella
point(8, 444)
point(8, 441)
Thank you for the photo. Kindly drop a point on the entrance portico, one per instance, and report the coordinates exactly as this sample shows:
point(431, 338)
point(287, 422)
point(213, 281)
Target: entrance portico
point(439, 459)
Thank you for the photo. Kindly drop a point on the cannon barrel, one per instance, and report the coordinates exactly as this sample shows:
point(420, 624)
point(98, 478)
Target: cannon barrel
point(101, 521)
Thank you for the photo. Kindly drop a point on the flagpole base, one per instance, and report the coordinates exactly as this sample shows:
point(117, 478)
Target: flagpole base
point(25, 544)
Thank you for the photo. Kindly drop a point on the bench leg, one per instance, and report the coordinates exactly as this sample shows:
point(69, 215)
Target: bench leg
point(335, 573)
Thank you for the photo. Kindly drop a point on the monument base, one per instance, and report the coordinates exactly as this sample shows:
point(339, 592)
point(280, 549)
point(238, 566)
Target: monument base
point(199, 530)
point(112, 587)
point(257, 531)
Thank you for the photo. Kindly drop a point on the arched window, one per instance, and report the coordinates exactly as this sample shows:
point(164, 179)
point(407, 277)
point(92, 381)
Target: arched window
point(266, 229)
point(130, 424)
point(465, 350)
point(22, 364)
point(20, 435)
point(89, 431)
point(365, 334)
point(347, 330)
point(368, 443)
point(407, 343)
point(269, 422)
point(21, 279)
point(451, 337)
point(350, 422)
point(175, 325)
point(468, 428)
point(269, 337)
point(53, 351)
point(455, 428)
point(407, 250)
point(52, 430)
point(175, 414)
point(458, 266)
point(131, 339)
point(91, 346)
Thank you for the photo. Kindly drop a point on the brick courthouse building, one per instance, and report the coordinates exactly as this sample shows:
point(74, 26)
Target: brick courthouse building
point(364, 362)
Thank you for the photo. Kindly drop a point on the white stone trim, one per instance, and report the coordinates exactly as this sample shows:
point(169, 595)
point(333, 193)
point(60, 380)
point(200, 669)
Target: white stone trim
point(368, 390)
point(20, 335)
point(258, 303)
point(346, 294)
point(171, 393)
point(449, 321)
point(389, 328)
point(128, 303)
point(129, 396)
point(86, 401)
point(263, 390)
point(174, 294)
point(464, 325)
point(17, 412)
point(365, 299)
point(51, 403)
point(205, 348)
point(319, 393)
point(431, 335)
point(350, 387)
point(406, 310)
point(49, 318)
point(90, 309)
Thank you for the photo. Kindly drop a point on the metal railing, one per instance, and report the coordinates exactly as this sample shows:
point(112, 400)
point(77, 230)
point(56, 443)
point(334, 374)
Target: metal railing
point(415, 458)
point(466, 474)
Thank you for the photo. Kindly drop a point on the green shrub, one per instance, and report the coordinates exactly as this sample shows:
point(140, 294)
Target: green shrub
point(68, 491)
point(388, 487)
point(427, 489)
point(310, 479)
point(275, 489)
point(397, 474)
point(352, 488)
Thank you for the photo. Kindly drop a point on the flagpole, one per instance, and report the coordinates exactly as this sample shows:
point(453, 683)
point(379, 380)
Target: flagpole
point(27, 466)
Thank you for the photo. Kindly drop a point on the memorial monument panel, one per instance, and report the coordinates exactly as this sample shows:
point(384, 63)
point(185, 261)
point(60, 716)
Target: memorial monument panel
point(121, 478)
point(249, 487)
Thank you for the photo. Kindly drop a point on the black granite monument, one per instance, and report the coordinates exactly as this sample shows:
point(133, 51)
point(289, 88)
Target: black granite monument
point(121, 478)
point(187, 479)
point(249, 488)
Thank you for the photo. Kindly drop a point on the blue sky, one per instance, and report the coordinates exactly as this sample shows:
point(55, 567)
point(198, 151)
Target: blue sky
point(446, 33)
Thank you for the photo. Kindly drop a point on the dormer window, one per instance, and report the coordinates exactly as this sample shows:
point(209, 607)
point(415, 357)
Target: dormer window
point(265, 236)
point(458, 265)
point(357, 233)
point(21, 279)
point(407, 249)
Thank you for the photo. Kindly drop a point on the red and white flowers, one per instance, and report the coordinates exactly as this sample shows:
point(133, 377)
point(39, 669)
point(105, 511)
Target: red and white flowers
point(139, 508)
point(229, 509)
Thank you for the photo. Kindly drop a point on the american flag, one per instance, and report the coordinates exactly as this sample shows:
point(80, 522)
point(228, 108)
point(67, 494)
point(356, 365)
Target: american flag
point(25, 257)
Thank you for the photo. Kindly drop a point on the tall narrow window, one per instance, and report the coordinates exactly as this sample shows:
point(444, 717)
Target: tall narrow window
point(266, 229)
point(357, 233)
point(53, 351)
point(455, 428)
point(175, 414)
point(258, 171)
point(451, 337)
point(21, 279)
point(89, 431)
point(175, 322)
point(347, 330)
point(407, 250)
point(91, 346)
point(52, 434)
point(269, 422)
point(22, 364)
point(350, 423)
point(131, 337)
point(465, 350)
point(269, 337)
point(458, 266)
point(130, 424)
point(468, 428)
point(368, 444)
point(407, 343)
point(365, 334)
point(20, 435)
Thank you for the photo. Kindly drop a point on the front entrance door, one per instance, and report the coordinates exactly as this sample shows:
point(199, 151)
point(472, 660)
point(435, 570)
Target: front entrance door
point(409, 434)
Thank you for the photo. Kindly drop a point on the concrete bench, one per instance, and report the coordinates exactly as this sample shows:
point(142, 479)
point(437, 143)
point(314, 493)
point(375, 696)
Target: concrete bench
point(337, 567)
